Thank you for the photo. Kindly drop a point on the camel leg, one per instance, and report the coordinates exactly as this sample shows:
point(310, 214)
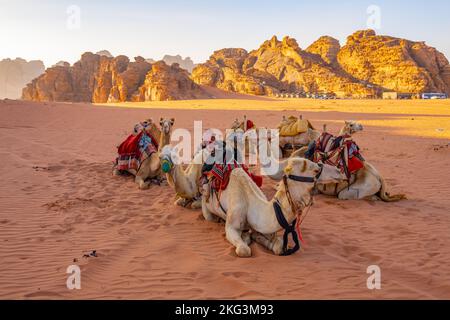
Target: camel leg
point(196, 204)
point(208, 215)
point(366, 185)
point(182, 202)
point(234, 236)
point(141, 182)
point(246, 236)
point(117, 173)
point(271, 242)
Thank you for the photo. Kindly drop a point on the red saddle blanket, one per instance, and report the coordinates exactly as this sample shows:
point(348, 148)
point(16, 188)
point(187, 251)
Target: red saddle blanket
point(221, 175)
point(134, 150)
point(340, 151)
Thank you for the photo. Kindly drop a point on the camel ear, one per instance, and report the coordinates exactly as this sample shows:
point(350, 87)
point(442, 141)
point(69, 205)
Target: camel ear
point(172, 121)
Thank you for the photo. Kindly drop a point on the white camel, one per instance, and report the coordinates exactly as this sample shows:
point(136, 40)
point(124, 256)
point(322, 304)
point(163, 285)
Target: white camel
point(244, 207)
point(184, 181)
point(365, 183)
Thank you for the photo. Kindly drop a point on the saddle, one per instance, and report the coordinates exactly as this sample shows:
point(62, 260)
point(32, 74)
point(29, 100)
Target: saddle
point(135, 150)
point(338, 151)
point(219, 175)
point(293, 126)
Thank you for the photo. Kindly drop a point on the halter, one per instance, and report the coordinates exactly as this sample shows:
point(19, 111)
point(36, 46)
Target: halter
point(166, 164)
point(291, 228)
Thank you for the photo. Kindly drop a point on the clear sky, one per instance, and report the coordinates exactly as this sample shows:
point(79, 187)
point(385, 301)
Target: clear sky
point(49, 30)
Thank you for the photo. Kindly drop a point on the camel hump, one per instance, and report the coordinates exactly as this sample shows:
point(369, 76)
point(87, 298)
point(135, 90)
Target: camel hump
point(245, 183)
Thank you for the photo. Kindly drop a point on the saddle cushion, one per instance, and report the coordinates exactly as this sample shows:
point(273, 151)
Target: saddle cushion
point(294, 126)
point(340, 151)
point(135, 150)
point(221, 175)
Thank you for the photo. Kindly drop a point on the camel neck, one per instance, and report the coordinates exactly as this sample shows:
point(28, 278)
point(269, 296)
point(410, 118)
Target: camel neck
point(282, 198)
point(164, 140)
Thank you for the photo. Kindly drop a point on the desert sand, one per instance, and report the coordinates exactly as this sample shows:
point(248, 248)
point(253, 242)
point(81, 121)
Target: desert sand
point(59, 201)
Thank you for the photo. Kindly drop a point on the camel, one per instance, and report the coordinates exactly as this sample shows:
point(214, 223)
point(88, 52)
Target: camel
point(244, 206)
point(299, 140)
point(150, 169)
point(366, 183)
point(184, 181)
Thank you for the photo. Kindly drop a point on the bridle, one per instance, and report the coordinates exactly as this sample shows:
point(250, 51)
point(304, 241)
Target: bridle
point(294, 227)
point(166, 164)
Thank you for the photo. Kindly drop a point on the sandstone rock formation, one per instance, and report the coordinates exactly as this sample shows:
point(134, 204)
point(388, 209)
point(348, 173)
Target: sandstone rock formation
point(186, 63)
point(327, 48)
point(165, 82)
point(105, 53)
point(277, 66)
point(367, 65)
point(99, 78)
point(395, 64)
point(15, 74)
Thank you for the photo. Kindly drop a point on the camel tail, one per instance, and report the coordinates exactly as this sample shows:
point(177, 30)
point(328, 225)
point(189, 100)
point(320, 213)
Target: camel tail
point(385, 196)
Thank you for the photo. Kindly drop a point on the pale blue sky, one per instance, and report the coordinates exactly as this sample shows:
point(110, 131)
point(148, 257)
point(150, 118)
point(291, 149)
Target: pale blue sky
point(38, 29)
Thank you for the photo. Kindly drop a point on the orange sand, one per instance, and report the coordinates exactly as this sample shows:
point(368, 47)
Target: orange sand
point(58, 200)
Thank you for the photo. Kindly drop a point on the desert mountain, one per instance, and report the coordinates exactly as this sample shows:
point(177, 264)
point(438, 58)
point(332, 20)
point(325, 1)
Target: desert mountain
point(100, 78)
point(15, 74)
point(184, 63)
point(365, 66)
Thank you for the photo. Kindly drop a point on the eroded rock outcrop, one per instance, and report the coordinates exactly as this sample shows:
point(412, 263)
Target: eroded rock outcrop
point(165, 82)
point(367, 65)
point(277, 66)
point(15, 74)
point(99, 78)
point(395, 64)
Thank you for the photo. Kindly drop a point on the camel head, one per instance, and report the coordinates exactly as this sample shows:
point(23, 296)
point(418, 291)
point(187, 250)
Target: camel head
point(236, 124)
point(166, 125)
point(144, 125)
point(321, 173)
point(168, 158)
point(351, 127)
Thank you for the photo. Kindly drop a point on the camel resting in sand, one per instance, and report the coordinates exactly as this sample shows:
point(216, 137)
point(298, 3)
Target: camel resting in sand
point(184, 181)
point(150, 168)
point(365, 183)
point(244, 206)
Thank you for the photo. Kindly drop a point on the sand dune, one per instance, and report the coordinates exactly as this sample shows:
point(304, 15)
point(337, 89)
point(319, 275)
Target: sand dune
point(59, 201)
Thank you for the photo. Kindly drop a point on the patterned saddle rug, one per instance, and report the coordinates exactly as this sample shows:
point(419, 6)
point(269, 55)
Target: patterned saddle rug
point(340, 151)
point(135, 150)
point(220, 175)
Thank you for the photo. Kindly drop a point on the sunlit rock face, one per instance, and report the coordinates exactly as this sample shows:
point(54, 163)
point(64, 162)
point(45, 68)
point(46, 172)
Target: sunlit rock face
point(100, 78)
point(164, 82)
point(367, 65)
point(395, 64)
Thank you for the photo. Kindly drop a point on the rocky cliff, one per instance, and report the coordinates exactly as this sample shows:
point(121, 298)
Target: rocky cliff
point(395, 64)
point(277, 66)
point(100, 78)
point(15, 74)
point(165, 82)
point(367, 65)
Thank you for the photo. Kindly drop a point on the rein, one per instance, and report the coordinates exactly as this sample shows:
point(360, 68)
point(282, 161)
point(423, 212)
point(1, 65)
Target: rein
point(294, 227)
